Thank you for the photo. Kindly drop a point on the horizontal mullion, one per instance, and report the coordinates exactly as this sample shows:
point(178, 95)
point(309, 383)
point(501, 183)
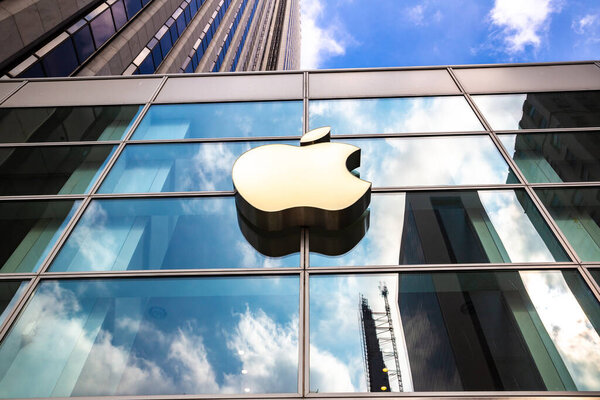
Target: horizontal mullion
point(396, 189)
point(54, 144)
point(547, 130)
point(438, 267)
point(173, 273)
point(564, 184)
point(18, 276)
point(215, 140)
point(228, 193)
point(44, 197)
point(406, 134)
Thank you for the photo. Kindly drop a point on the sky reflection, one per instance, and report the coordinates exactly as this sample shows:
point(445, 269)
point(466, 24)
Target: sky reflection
point(394, 115)
point(160, 336)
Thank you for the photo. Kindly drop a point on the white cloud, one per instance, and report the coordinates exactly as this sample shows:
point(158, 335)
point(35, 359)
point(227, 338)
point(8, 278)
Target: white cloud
point(416, 14)
point(581, 25)
point(523, 22)
point(320, 42)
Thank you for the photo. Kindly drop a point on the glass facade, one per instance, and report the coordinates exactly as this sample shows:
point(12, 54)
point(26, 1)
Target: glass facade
point(127, 269)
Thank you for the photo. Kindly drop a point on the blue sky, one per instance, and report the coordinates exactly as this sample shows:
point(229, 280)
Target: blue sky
point(385, 33)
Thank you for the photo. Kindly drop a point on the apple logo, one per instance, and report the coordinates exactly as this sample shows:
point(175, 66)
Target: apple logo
point(280, 186)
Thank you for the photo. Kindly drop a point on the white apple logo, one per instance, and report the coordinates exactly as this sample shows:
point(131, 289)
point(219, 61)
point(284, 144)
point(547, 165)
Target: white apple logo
point(280, 186)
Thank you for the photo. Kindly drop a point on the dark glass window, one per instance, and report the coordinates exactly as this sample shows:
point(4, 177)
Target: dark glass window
point(556, 157)
point(454, 331)
point(498, 226)
point(164, 233)
point(65, 124)
point(577, 213)
point(118, 11)
point(541, 110)
point(388, 115)
point(84, 43)
point(103, 27)
point(50, 170)
point(132, 7)
point(28, 230)
point(159, 336)
point(165, 41)
point(35, 71)
point(179, 121)
point(175, 167)
point(62, 60)
point(147, 66)
point(448, 160)
point(10, 292)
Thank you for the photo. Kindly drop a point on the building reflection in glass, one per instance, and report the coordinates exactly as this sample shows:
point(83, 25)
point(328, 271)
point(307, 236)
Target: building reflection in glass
point(154, 336)
point(577, 214)
point(541, 110)
point(496, 226)
point(555, 157)
point(460, 331)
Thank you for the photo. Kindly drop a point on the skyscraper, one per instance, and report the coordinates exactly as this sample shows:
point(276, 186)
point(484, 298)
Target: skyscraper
point(47, 38)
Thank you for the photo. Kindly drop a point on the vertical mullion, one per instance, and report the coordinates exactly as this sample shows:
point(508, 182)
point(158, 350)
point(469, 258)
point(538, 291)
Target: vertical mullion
point(306, 337)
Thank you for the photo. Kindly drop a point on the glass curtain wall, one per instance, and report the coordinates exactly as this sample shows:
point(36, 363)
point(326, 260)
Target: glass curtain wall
point(126, 268)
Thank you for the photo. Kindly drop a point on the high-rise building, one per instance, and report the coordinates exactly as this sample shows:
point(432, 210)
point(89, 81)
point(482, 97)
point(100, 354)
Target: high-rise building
point(50, 38)
point(127, 270)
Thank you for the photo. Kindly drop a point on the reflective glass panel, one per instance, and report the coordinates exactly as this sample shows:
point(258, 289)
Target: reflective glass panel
point(540, 110)
point(497, 226)
point(176, 167)
point(50, 170)
point(162, 233)
point(449, 160)
point(103, 27)
point(394, 115)
point(28, 230)
point(65, 124)
point(61, 60)
point(454, 331)
point(10, 292)
point(182, 121)
point(596, 274)
point(154, 336)
point(577, 213)
point(556, 157)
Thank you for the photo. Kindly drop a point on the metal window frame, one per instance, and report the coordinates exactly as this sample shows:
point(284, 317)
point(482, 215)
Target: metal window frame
point(304, 271)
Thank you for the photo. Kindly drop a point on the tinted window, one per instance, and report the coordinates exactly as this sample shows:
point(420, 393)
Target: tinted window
point(65, 124)
point(449, 227)
point(541, 110)
point(181, 121)
point(455, 331)
point(417, 114)
point(50, 170)
point(175, 167)
point(577, 213)
point(171, 233)
point(154, 337)
point(556, 157)
point(457, 160)
point(28, 230)
point(10, 291)
point(102, 27)
point(62, 60)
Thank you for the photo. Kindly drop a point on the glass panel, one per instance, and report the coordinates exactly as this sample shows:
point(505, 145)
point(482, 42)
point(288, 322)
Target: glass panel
point(454, 331)
point(50, 170)
point(182, 121)
point(577, 213)
point(394, 115)
point(456, 160)
point(132, 6)
point(596, 274)
point(162, 233)
point(66, 124)
point(540, 110)
point(29, 230)
point(158, 336)
point(175, 167)
point(118, 11)
point(497, 226)
point(103, 27)
point(556, 157)
point(83, 43)
point(62, 60)
point(10, 292)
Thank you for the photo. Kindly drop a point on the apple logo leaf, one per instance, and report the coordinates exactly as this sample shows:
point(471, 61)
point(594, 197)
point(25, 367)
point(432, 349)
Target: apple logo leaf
point(279, 186)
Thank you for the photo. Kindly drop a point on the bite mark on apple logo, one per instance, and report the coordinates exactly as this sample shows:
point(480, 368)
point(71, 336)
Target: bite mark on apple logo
point(279, 186)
